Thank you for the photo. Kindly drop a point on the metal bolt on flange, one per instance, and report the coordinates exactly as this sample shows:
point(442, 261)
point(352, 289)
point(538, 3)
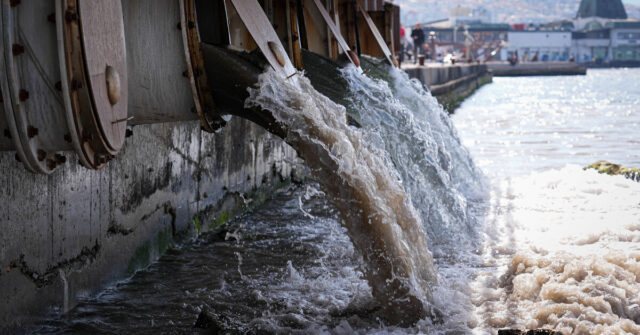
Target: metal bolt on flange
point(70, 16)
point(51, 17)
point(60, 159)
point(51, 164)
point(32, 131)
point(41, 155)
point(7, 133)
point(76, 84)
point(87, 136)
point(23, 95)
point(100, 159)
point(17, 49)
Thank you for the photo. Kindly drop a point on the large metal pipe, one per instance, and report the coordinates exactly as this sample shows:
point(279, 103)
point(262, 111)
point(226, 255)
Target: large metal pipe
point(76, 73)
point(32, 105)
point(156, 63)
point(233, 72)
point(70, 81)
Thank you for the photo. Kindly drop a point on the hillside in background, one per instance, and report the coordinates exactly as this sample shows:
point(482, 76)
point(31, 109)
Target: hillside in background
point(513, 11)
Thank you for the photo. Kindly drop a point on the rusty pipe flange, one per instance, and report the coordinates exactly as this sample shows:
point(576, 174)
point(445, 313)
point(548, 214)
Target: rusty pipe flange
point(6, 143)
point(8, 113)
point(31, 71)
point(204, 103)
point(92, 56)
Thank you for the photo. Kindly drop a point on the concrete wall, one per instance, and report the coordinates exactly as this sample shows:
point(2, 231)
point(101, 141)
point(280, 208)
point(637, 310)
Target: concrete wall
point(451, 84)
point(439, 74)
point(78, 230)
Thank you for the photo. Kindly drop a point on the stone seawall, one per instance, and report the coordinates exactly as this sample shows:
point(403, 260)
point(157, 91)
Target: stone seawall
point(73, 232)
point(451, 84)
point(504, 69)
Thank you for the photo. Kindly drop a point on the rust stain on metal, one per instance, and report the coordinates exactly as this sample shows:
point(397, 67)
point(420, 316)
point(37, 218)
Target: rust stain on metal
point(204, 103)
point(17, 49)
point(41, 155)
point(23, 95)
point(32, 131)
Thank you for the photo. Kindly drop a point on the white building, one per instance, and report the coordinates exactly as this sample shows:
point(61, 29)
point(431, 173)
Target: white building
point(604, 33)
point(625, 40)
point(548, 45)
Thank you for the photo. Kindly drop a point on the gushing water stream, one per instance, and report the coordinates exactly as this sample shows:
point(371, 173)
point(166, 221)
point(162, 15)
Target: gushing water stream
point(355, 170)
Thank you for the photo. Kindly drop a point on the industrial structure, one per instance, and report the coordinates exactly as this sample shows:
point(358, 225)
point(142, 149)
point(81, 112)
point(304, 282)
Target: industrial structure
point(117, 135)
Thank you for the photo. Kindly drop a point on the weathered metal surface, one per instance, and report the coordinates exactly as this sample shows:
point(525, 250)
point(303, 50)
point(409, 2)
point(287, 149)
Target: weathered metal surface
point(156, 62)
point(376, 33)
point(5, 134)
point(7, 110)
point(104, 45)
point(33, 106)
point(336, 32)
point(91, 38)
point(258, 25)
point(204, 104)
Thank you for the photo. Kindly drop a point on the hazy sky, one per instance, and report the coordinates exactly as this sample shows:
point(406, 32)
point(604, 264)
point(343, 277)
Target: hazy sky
point(634, 2)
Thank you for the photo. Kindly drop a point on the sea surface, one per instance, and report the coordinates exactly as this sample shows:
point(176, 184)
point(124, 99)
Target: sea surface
point(543, 244)
point(519, 125)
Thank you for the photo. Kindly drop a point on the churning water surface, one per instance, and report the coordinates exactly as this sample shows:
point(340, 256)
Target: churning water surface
point(542, 244)
point(561, 245)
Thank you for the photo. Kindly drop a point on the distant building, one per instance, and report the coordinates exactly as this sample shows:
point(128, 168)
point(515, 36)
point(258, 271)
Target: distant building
point(600, 32)
point(544, 45)
point(603, 32)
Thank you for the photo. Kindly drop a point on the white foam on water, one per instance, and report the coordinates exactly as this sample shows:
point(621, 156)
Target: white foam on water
point(561, 251)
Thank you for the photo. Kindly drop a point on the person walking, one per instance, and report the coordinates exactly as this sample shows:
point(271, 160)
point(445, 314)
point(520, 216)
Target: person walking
point(418, 39)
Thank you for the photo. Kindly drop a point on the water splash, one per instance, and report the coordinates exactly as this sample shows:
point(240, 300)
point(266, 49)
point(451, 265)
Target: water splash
point(436, 170)
point(354, 169)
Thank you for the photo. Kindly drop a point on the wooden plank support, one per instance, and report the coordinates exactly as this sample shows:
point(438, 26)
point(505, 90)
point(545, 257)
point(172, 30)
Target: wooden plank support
point(264, 35)
point(336, 33)
point(376, 34)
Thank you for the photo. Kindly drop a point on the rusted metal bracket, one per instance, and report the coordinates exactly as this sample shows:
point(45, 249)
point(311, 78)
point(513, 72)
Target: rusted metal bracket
point(204, 103)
